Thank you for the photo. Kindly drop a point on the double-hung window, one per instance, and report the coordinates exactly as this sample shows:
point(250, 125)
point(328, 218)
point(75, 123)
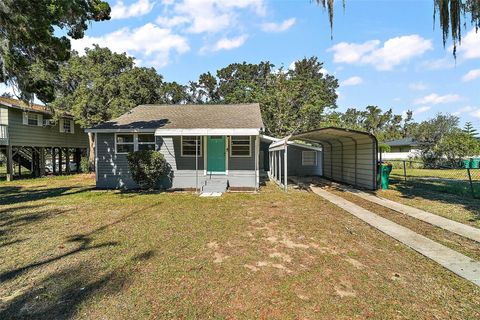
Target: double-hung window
point(188, 146)
point(309, 158)
point(32, 119)
point(240, 146)
point(130, 142)
point(145, 142)
point(125, 143)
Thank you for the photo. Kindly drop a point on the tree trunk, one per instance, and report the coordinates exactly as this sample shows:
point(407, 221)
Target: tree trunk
point(91, 153)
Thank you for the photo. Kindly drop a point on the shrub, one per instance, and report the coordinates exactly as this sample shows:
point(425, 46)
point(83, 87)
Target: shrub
point(147, 168)
point(84, 165)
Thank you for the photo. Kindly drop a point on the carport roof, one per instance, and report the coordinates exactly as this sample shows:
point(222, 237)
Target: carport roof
point(327, 135)
point(331, 133)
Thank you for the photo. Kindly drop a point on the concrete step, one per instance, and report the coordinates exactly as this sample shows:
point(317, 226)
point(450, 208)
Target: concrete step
point(215, 186)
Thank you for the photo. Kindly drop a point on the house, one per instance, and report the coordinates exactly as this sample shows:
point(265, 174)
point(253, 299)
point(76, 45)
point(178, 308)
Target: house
point(31, 138)
point(209, 147)
point(406, 148)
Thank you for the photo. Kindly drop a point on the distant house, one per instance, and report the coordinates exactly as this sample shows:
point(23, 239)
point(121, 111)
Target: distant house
point(406, 148)
point(29, 136)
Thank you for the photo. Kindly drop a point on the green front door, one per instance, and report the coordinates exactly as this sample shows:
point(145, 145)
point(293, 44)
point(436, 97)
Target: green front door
point(216, 154)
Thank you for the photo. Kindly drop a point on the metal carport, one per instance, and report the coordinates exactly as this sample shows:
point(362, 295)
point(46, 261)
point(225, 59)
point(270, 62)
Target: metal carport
point(348, 156)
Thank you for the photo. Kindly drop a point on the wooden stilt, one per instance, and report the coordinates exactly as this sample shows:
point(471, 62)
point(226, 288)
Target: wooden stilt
point(54, 161)
point(60, 160)
point(41, 160)
point(10, 171)
point(78, 158)
point(67, 160)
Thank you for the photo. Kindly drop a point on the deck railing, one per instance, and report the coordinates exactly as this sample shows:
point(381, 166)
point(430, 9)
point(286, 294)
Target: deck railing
point(3, 134)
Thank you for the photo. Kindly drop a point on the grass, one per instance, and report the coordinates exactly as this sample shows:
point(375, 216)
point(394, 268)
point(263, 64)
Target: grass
point(449, 205)
point(449, 239)
point(69, 251)
point(452, 181)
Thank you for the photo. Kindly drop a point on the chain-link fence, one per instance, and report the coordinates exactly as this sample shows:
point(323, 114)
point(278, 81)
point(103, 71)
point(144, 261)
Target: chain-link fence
point(460, 181)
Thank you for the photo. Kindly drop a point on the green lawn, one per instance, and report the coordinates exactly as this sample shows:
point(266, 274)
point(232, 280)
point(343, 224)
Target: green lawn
point(452, 181)
point(69, 251)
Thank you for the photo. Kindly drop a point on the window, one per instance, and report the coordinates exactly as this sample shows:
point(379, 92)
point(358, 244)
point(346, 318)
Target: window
point(188, 146)
point(125, 143)
point(240, 146)
point(67, 126)
point(130, 142)
point(309, 158)
point(32, 119)
point(146, 142)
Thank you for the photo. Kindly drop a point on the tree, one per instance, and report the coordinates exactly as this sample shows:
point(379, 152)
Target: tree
point(385, 125)
point(102, 85)
point(30, 51)
point(470, 130)
point(290, 100)
point(453, 14)
point(430, 134)
point(458, 145)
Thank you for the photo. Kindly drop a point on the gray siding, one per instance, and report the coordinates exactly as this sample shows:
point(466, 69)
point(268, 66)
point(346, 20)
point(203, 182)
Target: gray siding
point(350, 162)
point(38, 136)
point(113, 169)
point(295, 167)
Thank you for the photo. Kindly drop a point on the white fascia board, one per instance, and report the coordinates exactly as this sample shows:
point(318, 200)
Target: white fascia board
point(279, 145)
point(208, 132)
point(120, 130)
point(268, 138)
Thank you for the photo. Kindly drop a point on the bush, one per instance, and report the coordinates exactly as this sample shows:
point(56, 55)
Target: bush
point(147, 168)
point(84, 166)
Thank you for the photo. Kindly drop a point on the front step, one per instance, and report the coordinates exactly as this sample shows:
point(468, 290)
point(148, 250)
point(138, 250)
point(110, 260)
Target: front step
point(215, 186)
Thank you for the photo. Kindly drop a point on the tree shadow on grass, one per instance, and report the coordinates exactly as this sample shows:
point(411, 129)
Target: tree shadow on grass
point(412, 190)
point(14, 195)
point(59, 295)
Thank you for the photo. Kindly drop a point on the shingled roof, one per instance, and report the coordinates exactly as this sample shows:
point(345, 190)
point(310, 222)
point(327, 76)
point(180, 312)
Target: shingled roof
point(189, 116)
point(18, 104)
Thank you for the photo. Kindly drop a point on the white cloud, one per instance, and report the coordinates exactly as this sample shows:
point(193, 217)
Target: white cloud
point(136, 9)
point(352, 81)
point(210, 15)
point(172, 22)
point(437, 99)
point(152, 43)
point(278, 27)
point(422, 110)
point(476, 113)
point(418, 86)
point(226, 44)
point(393, 52)
point(471, 75)
point(444, 63)
point(463, 110)
point(470, 46)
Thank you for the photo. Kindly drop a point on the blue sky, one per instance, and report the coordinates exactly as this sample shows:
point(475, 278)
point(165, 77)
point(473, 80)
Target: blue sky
point(384, 53)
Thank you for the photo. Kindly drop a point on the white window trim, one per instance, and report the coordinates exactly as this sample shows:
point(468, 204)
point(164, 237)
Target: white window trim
point(25, 119)
point(241, 156)
point(200, 140)
point(135, 142)
point(303, 158)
